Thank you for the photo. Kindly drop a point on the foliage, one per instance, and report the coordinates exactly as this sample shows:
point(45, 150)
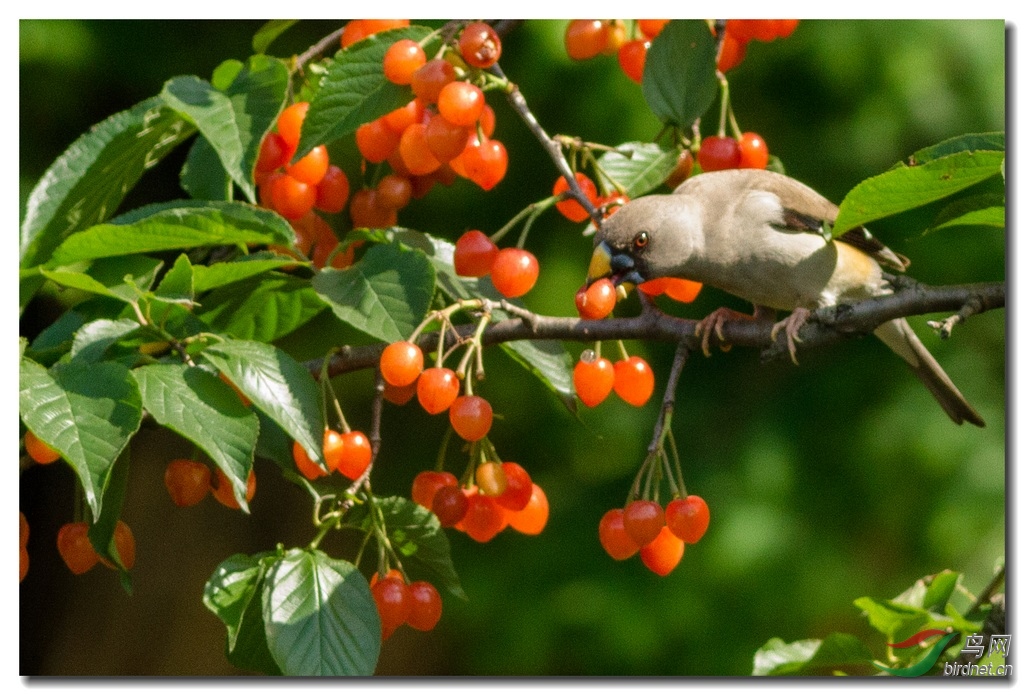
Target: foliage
point(159, 300)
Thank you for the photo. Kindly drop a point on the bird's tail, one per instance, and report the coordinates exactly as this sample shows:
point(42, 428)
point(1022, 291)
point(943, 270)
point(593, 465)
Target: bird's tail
point(902, 340)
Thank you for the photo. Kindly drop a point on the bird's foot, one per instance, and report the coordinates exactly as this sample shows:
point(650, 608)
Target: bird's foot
point(712, 323)
point(792, 325)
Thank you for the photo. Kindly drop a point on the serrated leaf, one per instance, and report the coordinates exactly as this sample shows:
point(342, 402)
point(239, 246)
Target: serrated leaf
point(962, 143)
point(177, 225)
point(208, 277)
point(125, 278)
point(87, 183)
point(320, 617)
point(983, 210)
point(101, 531)
point(640, 167)
point(837, 652)
point(273, 443)
point(897, 621)
point(206, 411)
point(179, 281)
point(203, 176)
point(234, 120)
point(233, 593)
point(262, 309)
point(86, 412)
point(679, 82)
point(276, 384)
point(905, 188)
point(416, 533)
point(385, 295)
point(354, 90)
point(267, 33)
point(92, 340)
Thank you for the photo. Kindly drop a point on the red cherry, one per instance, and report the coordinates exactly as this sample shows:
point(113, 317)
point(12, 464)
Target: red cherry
point(596, 301)
point(356, 454)
point(437, 389)
point(753, 151)
point(570, 207)
point(425, 606)
point(718, 153)
point(514, 272)
point(643, 520)
point(484, 518)
point(449, 505)
point(593, 380)
point(401, 363)
point(471, 417)
point(663, 553)
point(614, 539)
point(392, 598)
point(426, 484)
point(485, 163)
point(632, 57)
point(402, 59)
point(585, 38)
point(634, 380)
point(474, 254)
point(518, 487)
point(480, 45)
point(731, 52)
point(532, 518)
point(688, 518)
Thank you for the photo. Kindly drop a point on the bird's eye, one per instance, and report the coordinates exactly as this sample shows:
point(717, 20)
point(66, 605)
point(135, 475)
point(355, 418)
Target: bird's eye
point(640, 240)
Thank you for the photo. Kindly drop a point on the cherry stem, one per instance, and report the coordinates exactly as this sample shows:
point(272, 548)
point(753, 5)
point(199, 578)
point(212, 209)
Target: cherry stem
point(725, 105)
point(533, 209)
point(518, 103)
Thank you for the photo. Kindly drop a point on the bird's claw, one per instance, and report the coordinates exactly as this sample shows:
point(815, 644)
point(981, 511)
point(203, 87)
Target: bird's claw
point(712, 323)
point(791, 325)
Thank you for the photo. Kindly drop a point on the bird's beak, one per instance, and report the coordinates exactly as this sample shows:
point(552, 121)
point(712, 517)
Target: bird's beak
point(617, 266)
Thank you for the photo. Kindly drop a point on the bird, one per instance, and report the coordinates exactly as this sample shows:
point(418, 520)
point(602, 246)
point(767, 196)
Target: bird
point(763, 237)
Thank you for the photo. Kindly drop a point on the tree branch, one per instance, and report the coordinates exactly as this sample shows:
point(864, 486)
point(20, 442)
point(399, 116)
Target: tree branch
point(825, 326)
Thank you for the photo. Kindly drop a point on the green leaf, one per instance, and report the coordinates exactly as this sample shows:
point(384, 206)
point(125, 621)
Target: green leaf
point(837, 652)
point(229, 595)
point(320, 617)
point(354, 90)
point(92, 340)
point(179, 281)
point(268, 32)
point(203, 177)
point(125, 278)
point(416, 533)
point(87, 183)
point(262, 309)
point(385, 295)
point(86, 412)
point(897, 621)
point(276, 384)
point(643, 169)
point(186, 225)
point(206, 411)
point(208, 277)
point(101, 531)
point(973, 142)
point(273, 443)
point(234, 120)
point(679, 82)
point(905, 188)
point(983, 210)
point(29, 282)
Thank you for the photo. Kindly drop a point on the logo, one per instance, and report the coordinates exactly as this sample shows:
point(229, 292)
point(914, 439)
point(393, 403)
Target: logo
point(975, 647)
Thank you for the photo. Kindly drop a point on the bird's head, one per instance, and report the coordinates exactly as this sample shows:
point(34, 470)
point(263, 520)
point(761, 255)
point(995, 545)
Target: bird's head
point(648, 238)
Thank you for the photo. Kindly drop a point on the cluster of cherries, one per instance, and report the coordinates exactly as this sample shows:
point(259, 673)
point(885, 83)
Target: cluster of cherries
point(73, 538)
point(588, 38)
point(295, 189)
point(348, 453)
point(513, 271)
point(187, 482)
point(443, 133)
point(416, 604)
point(739, 32)
point(658, 534)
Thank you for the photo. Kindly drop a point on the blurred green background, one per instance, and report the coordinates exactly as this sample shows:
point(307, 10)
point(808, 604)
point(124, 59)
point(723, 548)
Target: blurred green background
point(828, 481)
